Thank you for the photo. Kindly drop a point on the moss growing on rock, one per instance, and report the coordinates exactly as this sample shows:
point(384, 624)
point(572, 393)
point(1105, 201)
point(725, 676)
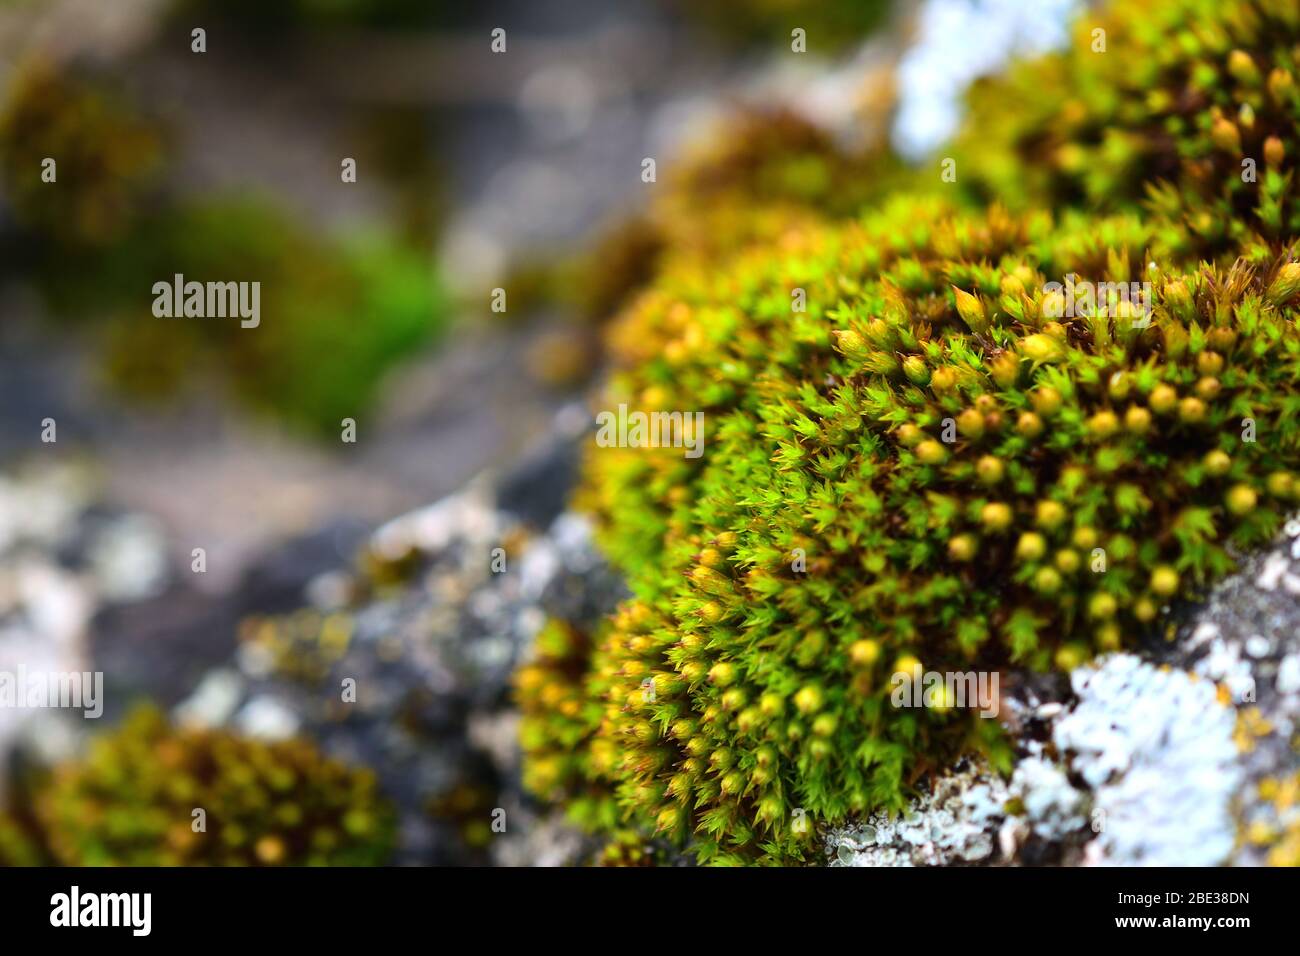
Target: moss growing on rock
point(132, 801)
point(928, 465)
point(922, 454)
point(1185, 107)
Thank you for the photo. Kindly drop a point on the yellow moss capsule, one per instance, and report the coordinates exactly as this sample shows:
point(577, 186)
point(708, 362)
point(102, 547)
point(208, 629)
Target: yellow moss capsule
point(864, 653)
point(1049, 514)
point(1274, 152)
point(722, 673)
point(1163, 399)
point(809, 699)
point(996, 517)
point(931, 452)
point(734, 698)
point(1029, 425)
point(909, 436)
point(1042, 348)
point(970, 423)
point(1242, 68)
point(1070, 656)
point(1102, 606)
point(1046, 401)
point(1047, 581)
point(1109, 636)
point(1216, 463)
point(1145, 610)
point(1280, 84)
point(1031, 546)
point(971, 310)
point(1209, 363)
point(907, 664)
point(990, 469)
point(1103, 425)
point(1067, 561)
point(1208, 388)
point(943, 380)
point(1164, 581)
point(1281, 484)
point(1241, 499)
point(1137, 420)
point(1225, 135)
point(1085, 538)
point(1191, 410)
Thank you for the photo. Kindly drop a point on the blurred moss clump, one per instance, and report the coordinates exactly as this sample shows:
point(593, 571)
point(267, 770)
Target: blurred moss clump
point(761, 172)
point(559, 693)
point(107, 155)
point(17, 848)
point(335, 314)
point(132, 800)
point(830, 25)
point(300, 646)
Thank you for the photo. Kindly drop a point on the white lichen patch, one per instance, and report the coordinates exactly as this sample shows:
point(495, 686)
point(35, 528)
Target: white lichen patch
point(955, 823)
point(1053, 807)
point(1156, 747)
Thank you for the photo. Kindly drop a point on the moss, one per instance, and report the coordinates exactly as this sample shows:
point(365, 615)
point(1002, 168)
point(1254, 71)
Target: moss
point(335, 315)
point(130, 802)
point(96, 240)
point(1185, 92)
point(559, 692)
point(108, 155)
point(826, 439)
point(17, 847)
point(301, 646)
point(831, 25)
point(916, 455)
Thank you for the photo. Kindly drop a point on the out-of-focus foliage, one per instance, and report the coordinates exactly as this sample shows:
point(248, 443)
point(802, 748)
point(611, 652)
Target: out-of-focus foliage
point(830, 25)
point(107, 156)
point(560, 714)
point(132, 799)
point(758, 174)
point(335, 314)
